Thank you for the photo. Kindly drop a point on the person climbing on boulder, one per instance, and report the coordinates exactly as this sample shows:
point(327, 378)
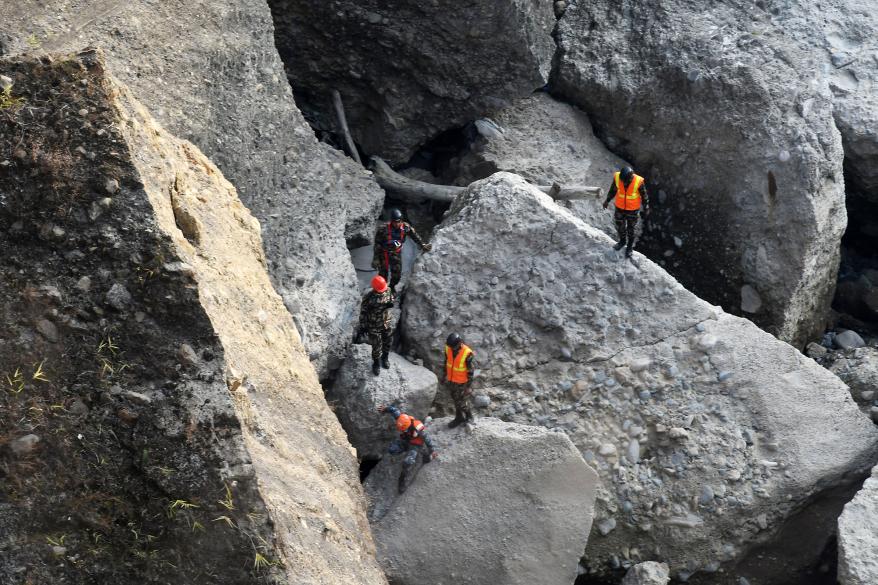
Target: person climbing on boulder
point(458, 377)
point(389, 239)
point(413, 439)
point(375, 322)
point(630, 193)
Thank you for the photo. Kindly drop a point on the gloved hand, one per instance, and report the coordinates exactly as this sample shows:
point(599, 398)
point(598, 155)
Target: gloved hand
point(434, 455)
point(606, 204)
point(382, 408)
point(428, 247)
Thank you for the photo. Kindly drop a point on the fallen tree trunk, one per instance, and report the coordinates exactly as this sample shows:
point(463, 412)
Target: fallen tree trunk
point(416, 191)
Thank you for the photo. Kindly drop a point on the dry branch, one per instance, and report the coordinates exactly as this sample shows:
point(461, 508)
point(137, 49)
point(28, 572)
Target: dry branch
point(343, 122)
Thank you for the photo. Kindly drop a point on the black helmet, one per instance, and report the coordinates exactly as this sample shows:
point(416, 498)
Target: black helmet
point(395, 214)
point(453, 340)
point(626, 173)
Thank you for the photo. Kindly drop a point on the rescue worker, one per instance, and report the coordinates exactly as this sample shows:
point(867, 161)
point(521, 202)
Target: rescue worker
point(413, 439)
point(459, 372)
point(389, 239)
point(375, 322)
point(629, 191)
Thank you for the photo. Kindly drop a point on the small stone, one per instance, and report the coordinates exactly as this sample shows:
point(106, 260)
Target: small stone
point(83, 112)
point(751, 302)
point(849, 340)
point(723, 376)
point(118, 297)
point(640, 364)
point(678, 433)
point(111, 186)
point(187, 355)
point(5, 82)
point(867, 395)
point(59, 551)
point(138, 397)
point(607, 449)
point(815, 351)
point(706, 342)
point(78, 408)
point(24, 446)
point(482, 401)
point(633, 452)
point(48, 330)
point(560, 8)
point(706, 496)
point(83, 284)
point(606, 526)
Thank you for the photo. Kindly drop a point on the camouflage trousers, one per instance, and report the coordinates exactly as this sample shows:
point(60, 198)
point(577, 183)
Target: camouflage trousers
point(626, 224)
point(411, 452)
point(379, 339)
point(395, 268)
point(461, 394)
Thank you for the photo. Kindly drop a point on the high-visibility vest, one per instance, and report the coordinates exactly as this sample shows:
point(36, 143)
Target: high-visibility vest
point(455, 369)
point(628, 199)
point(414, 434)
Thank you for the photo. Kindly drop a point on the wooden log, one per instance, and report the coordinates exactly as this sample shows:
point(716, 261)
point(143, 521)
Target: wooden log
point(343, 123)
point(416, 191)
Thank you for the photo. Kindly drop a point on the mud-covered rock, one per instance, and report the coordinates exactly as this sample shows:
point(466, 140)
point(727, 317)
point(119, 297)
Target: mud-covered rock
point(210, 73)
point(408, 71)
point(711, 107)
point(151, 467)
point(505, 504)
point(857, 539)
point(706, 431)
point(356, 395)
point(545, 141)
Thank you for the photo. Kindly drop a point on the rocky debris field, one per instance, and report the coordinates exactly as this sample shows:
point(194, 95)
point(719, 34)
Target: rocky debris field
point(712, 108)
point(857, 546)
point(506, 503)
point(158, 405)
point(707, 432)
point(210, 73)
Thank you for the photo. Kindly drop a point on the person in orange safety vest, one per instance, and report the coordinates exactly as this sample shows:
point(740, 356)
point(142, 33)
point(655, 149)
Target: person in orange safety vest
point(459, 378)
point(413, 439)
point(629, 191)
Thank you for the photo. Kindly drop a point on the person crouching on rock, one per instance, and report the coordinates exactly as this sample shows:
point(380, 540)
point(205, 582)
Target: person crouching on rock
point(389, 239)
point(413, 439)
point(630, 193)
point(375, 322)
point(459, 372)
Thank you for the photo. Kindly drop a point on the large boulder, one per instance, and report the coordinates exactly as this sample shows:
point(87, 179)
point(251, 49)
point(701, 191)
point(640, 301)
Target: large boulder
point(162, 422)
point(210, 73)
point(545, 141)
point(356, 395)
point(857, 538)
point(504, 505)
point(409, 70)
point(706, 431)
point(711, 107)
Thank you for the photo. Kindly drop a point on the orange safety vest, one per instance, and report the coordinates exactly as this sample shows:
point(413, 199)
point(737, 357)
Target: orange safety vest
point(628, 200)
point(414, 433)
point(456, 371)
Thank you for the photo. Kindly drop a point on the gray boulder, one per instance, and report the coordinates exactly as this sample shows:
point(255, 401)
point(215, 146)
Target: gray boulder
point(210, 73)
point(233, 462)
point(648, 573)
point(858, 368)
point(711, 107)
point(357, 394)
point(410, 70)
point(504, 505)
point(545, 140)
point(857, 538)
point(706, 431)
point(849, 340)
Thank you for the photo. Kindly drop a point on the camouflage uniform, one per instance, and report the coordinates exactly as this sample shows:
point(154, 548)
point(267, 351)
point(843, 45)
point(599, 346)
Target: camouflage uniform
point(375, 321)
point(388, 257)
point(626, 221)
point(413, 441)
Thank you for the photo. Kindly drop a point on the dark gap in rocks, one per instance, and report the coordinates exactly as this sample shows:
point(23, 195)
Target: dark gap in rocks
point(366, 467)
point(856, 295)
point(436, 155)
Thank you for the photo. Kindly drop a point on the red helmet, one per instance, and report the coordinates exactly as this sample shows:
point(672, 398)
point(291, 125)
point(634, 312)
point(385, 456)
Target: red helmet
point(403, 422)
point(379, 284)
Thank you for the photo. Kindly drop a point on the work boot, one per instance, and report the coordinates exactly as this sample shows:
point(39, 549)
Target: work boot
point(458, 420)
point(628, 251)
point(385, 361)
point(376, 367)
point(619, 245)
point(402, 480)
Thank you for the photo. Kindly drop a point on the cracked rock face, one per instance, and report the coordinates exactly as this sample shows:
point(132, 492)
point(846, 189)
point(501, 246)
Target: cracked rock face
point(506, 504)
point(408, 71)
point(544, 141)
point(713, 109)
point(706, 431)
point(210, 73)
point(857, 540)
point(162, 423)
